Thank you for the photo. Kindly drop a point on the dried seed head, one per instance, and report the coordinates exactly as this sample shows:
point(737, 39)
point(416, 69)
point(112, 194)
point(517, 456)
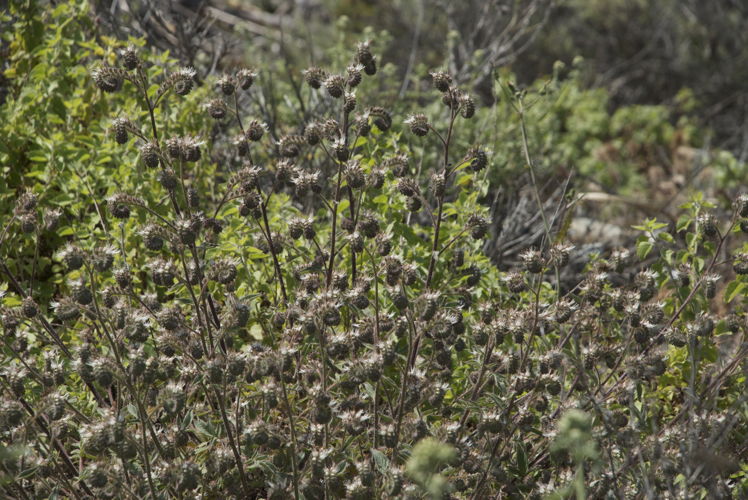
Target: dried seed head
point(419, 124)
point(740, 263)
point(356, 242)
point(438, 184)
point(150, 154)
point(710, 285)
point(246, 78)
point(335, 86)
point(467, 106)
point(478, 226)
point(413, 204)
point(442, 80)
point(375, 179)
point(368, 224)
point(107, 79)
point(560, 253)
point(533, 260)
point(314, 77)
point(371, 68)
point(354, 75)
point(120, 129)
point(313, 133)
point(227, 84)
point(363, 53)
point(708, 223)
point(255, 130)
point(130, 57)
point(340, 149)
point(28, 223)
point(355, 174)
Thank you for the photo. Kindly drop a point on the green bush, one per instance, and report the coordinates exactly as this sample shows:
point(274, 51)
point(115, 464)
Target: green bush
point(199, 304)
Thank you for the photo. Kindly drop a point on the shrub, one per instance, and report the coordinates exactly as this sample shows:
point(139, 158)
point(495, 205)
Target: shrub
point(309, 321)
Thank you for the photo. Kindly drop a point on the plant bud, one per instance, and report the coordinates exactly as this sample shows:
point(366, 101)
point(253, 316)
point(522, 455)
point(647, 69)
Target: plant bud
point(384, 245)
point(740, 264)
point(106, 80)
point(744, 226)
point(255, 131)
point(191, 150)
point(478, 226)
point(349, 102)
point(375, 178)
point(560, 253)
point(438, 184)
point(413, 204)
point(185, 231)
point(80, 292)
point(371, 68)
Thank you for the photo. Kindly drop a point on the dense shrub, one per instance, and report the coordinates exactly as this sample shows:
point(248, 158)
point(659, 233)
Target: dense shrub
point(193, 307)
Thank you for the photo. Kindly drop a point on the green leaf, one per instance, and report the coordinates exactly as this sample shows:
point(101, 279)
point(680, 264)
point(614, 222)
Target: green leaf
point(27, 473)
point(683, 223)
point(643, 248)
point(255, 331)
point(733, 289)
point(666, 236)
point(132, 410)
point(152, 90)
point(381, 461)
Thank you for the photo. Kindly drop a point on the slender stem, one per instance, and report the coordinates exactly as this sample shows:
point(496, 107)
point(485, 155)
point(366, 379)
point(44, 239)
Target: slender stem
point(289, 412)
point(230, 435)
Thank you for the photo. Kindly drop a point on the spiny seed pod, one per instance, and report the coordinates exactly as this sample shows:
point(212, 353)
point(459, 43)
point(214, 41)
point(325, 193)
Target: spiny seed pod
point(296, 228)
point(438, 184)
point(217, 109)
point(255, 131)
point(245, 77)
point(560, 253)
point(419, 124)
point(130, 57)
point(29, 307)
point(335, 86)
point(347, 224)
point(478, 226)
point(413, 204)
point(399, 299)
point(708, 225)
point(80, 292)
point(119, 128)
point(375, 178)
point(384, 245)
point(409, 276)
point(356, 242)
point(710, 285)
point(52, 219)
point(383, 120)
point(107, 80)
point(314, 77)
point(149, 152)
point(330, 314)
point(174, 147)
point(67, 310)
point(368, 224)
point(227, 84)
point(193, 198)
point(349, 102)
point(442, 80)
point(309, 232)
point(467, 106)
point(515, 282)
point(26, 203)
point(152, 238)
point(473, 276)
point(355, 175)
point(313, 133)
point(340, 149)
point(533, 260)
point(407, 186)
point(168, 179)
point(458, 258)
point(191, 150)
point(354, 75)
point(740, 264)
point(28, 223)
point(185, 232)
point(371, 68)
